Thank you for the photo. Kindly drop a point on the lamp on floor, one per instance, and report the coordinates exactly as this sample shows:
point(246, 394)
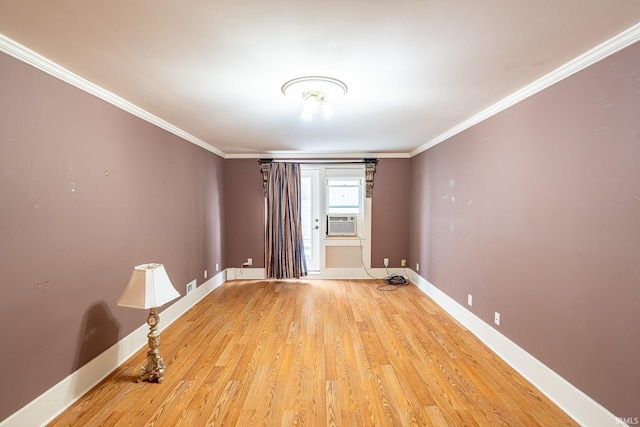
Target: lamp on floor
point(149, 288)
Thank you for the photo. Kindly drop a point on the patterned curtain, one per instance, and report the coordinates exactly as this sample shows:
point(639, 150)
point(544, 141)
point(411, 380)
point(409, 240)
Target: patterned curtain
point(284, 245)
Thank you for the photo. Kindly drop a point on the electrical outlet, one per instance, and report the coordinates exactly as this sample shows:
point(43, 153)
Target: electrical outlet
point(249, 261)
point(497, 319)
point(217, 267)
point(386, 262)
point(205, 274)
point(403, 263)
point(469, 299)
point(417, 266)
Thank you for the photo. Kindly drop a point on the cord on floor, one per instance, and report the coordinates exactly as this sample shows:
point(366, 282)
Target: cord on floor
point(393, 280)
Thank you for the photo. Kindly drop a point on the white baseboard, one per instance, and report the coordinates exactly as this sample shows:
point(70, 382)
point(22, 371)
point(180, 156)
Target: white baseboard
point(325, 273)
point(246, 273)
point(574, 402)
point(54, 401)
point(355, 273)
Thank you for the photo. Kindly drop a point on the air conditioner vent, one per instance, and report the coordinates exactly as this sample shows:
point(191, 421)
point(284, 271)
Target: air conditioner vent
point(341, 225)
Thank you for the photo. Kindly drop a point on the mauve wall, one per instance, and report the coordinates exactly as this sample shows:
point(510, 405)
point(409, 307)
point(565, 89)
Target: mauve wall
point(536, 213)
point(88, 192)
point(244, 212)
point(390, 212)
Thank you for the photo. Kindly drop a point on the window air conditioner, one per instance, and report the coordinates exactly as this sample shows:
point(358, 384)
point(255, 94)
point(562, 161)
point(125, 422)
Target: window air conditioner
point(341, 225)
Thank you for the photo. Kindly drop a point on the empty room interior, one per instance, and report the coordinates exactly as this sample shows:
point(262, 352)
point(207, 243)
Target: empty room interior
point(334, 213)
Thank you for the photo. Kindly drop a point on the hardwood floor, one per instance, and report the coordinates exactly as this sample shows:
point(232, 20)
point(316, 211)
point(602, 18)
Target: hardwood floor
point(317, 353)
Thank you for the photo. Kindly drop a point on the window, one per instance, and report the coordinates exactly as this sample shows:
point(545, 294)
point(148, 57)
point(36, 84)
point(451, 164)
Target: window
point(307, 213)
point(344, 195)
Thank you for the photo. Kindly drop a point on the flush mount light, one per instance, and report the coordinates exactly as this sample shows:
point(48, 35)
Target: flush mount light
point(316, 92)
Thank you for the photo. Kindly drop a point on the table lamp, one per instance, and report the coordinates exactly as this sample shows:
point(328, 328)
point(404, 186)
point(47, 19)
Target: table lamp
point(149, 288)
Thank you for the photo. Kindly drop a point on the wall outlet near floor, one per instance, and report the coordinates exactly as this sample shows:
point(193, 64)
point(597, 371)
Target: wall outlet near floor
point(386, 262)
point(249, 261)
point(217, 267)
point(417, 266)
point(205, 274)
point(497, 319)
point(403, 263)
point(191, 286)
point(469, 299)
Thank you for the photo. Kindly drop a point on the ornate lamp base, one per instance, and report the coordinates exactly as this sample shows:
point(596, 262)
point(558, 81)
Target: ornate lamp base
point(153, 369)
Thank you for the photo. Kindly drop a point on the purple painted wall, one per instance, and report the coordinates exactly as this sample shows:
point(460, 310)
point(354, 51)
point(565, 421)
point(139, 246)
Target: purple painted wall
point(88, 192)
point(390, 212)
point(536, 213)
point(244, 210)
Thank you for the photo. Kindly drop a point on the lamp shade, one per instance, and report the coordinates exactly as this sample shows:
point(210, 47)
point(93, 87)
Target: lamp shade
point(148, 287)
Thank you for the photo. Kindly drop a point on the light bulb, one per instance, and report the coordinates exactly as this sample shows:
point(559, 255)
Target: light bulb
point(310, 108)
point(327, 109)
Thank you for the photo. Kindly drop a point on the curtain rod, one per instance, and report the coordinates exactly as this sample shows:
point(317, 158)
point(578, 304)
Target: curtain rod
point(369, 166)
point(320, 161)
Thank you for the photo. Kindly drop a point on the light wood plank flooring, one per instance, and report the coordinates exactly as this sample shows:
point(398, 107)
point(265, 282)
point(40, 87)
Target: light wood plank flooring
point(317, 353)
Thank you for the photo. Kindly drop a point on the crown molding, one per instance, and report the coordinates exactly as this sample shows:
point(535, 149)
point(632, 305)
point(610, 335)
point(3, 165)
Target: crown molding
point(592, 56)
point(38, 61)
point(609, 47)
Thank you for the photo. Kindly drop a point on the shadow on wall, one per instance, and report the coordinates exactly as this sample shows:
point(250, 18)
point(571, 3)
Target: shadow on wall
point(99, 332)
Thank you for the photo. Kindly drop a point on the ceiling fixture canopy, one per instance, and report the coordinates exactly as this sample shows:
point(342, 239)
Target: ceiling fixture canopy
point(315, 92)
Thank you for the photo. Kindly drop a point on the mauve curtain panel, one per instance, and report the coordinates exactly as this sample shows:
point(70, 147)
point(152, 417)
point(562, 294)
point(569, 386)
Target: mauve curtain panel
point(284, 245)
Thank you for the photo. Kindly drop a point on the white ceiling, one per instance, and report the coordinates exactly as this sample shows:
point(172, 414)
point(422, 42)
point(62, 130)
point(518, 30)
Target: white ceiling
point(214, 68)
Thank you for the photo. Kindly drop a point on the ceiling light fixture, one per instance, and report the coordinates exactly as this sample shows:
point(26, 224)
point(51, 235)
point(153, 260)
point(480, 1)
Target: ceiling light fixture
point(315, 92)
